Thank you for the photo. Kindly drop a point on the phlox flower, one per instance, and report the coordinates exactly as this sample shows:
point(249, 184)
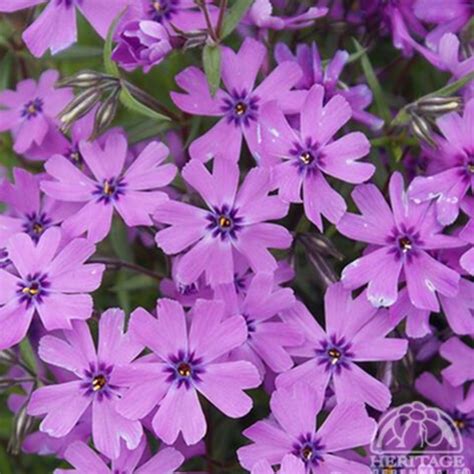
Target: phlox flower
point(47, 280)
point(459, 311)
point(93, 385)
point(355, 332)
point(180, 14)
point(86, 461)
point(314, 72)
point(310, 154)
point(44, 33)
point(292, 430)
point(456, 158)
point(233, 223)
point(461, 369)
point(142, 44)
point(402, 237)
point(449, 399)
point(132, 193)
point(187, 360)
point(240, 103)
point(290, 465)
point(261, 15)
point(28, 210)
point(268, 336)
point(30, 111)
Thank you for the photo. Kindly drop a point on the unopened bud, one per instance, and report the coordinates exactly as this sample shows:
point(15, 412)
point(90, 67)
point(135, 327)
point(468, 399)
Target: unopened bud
point(421, 129)
point(22, 425)
point(105, 113)
point(7, 357)
point(80, 106)
point(439, 105)
point(325, 274)
point(85, 79)
point(319, 243)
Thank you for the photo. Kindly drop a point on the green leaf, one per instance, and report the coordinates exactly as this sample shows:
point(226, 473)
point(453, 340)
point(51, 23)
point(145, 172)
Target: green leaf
point(234, 15)
point(403, 116)
point(450, 89)
point(120, 241)
point(28, 355)
point(110, 66)
point(137, 282)
point(131, 103)
point(374, 84)
point(5, 70)
point(211, 58)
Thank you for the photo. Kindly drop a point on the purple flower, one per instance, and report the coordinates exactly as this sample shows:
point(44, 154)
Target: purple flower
point(260, 14)
point(239, 106)
point(28, 211)
point(187, 360)
point(142, 44)
point(451, 54)
point(401, 239)
point(233, 223)
point(449, 399)
point(44, 33)
point(30, 111)
point(268, 336)
point(289, 465)
point(86, 461)
point(93, 384)
point(458, 309)
point(355, 332)
point(181, 14)
point(133, 193)
point(310, 154)
point(292, 430)
point(359, 96)
point(456, 155)
point(461, 369)
point(46, 280)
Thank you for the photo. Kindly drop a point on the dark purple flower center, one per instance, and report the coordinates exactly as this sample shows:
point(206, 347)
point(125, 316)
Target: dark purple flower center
point(96, 381)
point(306, 157)
point(162, 10)
point(251, 325)
point(75, 155)
point(240, 108)
point(32, 108)
point(36, 224)
point(309, 449)
point(224, 222)
point(110, 190)
point(464, 422)
point(186, 290)
point(335, 353)
point(4, 259)
point(405, 242)
point(33, 289)
point(184, 369)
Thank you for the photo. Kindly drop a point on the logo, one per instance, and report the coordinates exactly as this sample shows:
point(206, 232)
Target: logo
point(415, 428)
point(415, 438)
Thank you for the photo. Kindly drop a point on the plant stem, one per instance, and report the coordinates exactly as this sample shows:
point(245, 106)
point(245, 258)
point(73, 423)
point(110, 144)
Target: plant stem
point(220, 20)
point(110, 262)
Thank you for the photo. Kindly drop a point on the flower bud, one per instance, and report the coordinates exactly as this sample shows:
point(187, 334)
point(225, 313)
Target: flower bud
point(22, 425)
point(106, 113)
point(85, 79)
point(421, 129)
point(142, 44)
point(439, 105)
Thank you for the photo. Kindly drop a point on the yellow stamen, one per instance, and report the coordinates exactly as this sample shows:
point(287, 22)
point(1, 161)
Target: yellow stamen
point(98, 383)
point(240, 108)
point(184, 370)
point(306, 158)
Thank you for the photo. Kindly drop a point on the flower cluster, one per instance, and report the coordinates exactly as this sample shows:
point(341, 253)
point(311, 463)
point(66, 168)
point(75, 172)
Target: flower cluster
point(276, 259)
